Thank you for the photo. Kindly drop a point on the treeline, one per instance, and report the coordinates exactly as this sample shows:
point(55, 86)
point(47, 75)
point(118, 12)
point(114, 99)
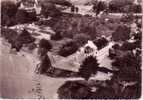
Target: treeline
point(117, 6)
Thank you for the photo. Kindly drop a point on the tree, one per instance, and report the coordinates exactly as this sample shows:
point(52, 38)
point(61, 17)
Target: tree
point(44, 47)
point(8, 11)
point(117, 5)
point(101, 42)
point(129, 67)
point(81, 39)
point(25, 37)
point(122, 33)
point(128, 46)
point(57, 36)
point(49, 9)
point(88, 67)
point(73, 90)
point(68, 49)
point(45, 64)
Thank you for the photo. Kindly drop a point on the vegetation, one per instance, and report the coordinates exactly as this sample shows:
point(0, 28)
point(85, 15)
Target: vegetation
point(88, 67)
point(124, 6)
point(22, 16)
point(8, 11)
point(68, 49)
point(49, 9)
point(122, 33)
point(81, 39)
point(101, 42)
point(73, 90)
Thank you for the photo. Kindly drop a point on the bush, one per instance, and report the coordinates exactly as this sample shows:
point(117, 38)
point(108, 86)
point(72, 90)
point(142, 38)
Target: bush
point(128, 46)
point(73, 90)
point(81, 39)
point(57, 36)
point(23, 16)
point(69, 25)
point(88, 67)
point(122, 33)
point(68, 49)
point(101, 42)
point(45, 64)
point(45, 44)
point(9, 34)
point(49, 9)
point(25, 37)
point(129, 67)
point(129, 17)
point(117, 5)
point(8, 11)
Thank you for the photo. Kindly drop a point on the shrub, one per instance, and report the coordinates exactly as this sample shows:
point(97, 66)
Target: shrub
point(81, 39)
point(9, 34)
point(25, 37)
point(68, 49)
point(8, 11)
point(101, 42)
point(73, 90)
point(88, 67)
point(128, 46)
point(129, 17)
point(117, 5)
point(45, 44)
point(49, 9)
point(69, 25)
point(45, 64)
point(57, 36)
point(23, 16)
point(129, 67)
point(122, 33)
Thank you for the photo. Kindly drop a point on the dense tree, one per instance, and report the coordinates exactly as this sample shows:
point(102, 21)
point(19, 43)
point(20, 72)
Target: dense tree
point(117, 5)
point(45, 64)
point(44, 47)
point(68, 49)
point(81, 39)
point(57, 36)
point(101, 42)
point(25, 37)
point(88, 67)
point(8, 11)
point(49, 9)
point(73, 90)
point(23, 16)
point(122, 33)
point(129, 67)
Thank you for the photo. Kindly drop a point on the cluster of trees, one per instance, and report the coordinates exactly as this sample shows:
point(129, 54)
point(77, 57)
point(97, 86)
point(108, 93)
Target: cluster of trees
point(8, 12)
point(124, 6)
point(69, 25)
point(17, 39)
point(117, 6)
point(11, 14)
point(122, 33)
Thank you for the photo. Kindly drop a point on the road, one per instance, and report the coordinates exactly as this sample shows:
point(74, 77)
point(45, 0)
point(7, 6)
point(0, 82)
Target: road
point(17, 79)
